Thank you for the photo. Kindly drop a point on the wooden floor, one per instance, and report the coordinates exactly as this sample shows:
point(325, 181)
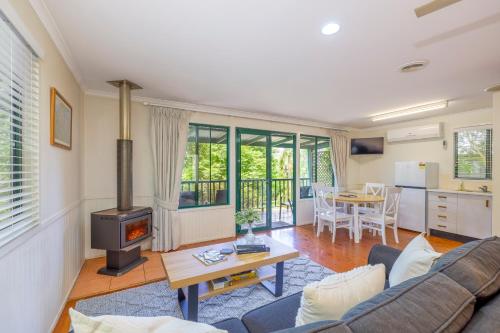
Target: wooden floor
point(341, 256)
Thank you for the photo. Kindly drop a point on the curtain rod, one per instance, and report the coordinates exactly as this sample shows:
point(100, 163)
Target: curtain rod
point(243, 114)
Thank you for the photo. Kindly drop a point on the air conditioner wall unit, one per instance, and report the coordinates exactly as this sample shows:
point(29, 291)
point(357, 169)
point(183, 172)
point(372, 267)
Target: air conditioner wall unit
point(431, 131)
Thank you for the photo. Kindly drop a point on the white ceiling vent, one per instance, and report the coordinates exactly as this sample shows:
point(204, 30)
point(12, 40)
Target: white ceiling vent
point(413, 66)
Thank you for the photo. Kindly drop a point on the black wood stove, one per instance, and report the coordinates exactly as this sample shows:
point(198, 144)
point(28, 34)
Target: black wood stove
point(120, 230)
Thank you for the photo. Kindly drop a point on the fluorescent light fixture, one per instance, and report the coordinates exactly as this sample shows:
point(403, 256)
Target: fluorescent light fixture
point(330, 29)
point(411, 110)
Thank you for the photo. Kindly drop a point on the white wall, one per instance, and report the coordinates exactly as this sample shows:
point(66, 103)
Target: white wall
point(197, 224)
point(380, 168)
point(38, 268)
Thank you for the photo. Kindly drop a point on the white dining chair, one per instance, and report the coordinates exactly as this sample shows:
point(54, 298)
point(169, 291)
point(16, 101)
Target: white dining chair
point(329, 212)
point(388, 217)
point(315, 187)
point(372, 189)
point(316, 204)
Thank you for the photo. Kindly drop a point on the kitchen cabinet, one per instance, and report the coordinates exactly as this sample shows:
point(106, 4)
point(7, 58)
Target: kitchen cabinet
point(462, 213)
point(474, 216)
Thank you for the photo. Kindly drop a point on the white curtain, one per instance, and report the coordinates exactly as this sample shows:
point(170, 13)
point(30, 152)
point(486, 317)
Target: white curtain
point(340, 151)
point(169, 132)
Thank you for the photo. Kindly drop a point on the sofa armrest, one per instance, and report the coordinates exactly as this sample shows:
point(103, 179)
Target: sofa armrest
point(274, 316)
point(381, 254)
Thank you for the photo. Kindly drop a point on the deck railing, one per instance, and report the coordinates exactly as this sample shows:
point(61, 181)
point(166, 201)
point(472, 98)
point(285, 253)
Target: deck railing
point(203, 192)
point(253, 192)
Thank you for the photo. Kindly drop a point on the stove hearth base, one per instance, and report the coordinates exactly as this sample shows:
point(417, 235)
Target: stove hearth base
point(119, 262)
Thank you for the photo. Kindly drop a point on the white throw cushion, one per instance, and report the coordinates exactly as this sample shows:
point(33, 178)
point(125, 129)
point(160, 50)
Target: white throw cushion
point(415, 260)
point(332, 297)
point(126, 324)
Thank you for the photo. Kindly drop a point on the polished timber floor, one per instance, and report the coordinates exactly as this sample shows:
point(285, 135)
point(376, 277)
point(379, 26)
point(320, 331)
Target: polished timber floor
point(340, 256)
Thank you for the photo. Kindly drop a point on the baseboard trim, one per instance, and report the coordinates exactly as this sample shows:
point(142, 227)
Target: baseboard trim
point(451, 236)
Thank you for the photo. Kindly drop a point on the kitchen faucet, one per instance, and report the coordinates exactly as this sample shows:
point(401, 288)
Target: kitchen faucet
point(484, 188)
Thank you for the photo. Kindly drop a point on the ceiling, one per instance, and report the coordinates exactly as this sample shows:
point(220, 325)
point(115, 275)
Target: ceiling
point(270, 57)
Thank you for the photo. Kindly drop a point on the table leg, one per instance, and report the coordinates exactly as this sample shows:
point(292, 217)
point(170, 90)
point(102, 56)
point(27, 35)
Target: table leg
point(189, 304)
point(356, 221)
point(277, 288)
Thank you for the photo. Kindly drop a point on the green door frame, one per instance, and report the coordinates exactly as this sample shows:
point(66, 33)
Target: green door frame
point(268, 135)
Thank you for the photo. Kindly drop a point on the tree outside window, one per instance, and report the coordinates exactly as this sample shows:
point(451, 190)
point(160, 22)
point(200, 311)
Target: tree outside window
point(315, 163)
point(205, 171)
point(472, 151)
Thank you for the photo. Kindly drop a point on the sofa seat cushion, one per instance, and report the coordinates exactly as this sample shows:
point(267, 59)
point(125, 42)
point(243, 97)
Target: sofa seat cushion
point(475, 266)
point(232, 325)
point(429, 303)
point(486, 319)
point(274, 316)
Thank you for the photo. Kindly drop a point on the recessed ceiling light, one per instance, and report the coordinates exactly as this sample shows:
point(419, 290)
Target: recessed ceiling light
point(330, 29)
point(411, 110)
point(413, 66)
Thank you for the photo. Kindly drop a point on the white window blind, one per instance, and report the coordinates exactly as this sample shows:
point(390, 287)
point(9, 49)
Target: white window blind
point(473, 152)
point(19, 91)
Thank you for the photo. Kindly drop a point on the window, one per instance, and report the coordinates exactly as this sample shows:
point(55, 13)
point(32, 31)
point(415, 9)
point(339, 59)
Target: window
point(315, 163)
point(205, 172)
point(472, 148)
point(19, 206)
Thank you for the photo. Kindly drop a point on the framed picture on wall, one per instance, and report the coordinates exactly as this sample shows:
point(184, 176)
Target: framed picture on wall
point(60, 120)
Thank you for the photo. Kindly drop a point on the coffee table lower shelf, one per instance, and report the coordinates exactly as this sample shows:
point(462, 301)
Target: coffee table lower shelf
point(191, 295)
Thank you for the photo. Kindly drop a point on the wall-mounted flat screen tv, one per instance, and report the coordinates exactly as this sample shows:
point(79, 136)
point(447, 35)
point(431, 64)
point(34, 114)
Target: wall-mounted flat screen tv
point(367, 146)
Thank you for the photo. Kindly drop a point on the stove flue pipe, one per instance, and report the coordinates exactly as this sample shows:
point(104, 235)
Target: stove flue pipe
point(124, 146)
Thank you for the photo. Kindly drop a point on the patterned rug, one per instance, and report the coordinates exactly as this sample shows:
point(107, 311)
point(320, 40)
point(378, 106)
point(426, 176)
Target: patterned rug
point(157, 299)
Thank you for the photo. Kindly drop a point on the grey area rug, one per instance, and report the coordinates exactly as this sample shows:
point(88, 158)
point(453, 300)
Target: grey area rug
point(157, 299)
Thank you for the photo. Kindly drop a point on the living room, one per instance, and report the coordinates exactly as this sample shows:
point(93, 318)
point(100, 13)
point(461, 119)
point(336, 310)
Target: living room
point(329, 140)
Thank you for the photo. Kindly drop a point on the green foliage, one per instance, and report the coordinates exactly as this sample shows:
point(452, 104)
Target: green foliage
point(473, 153)
point(212, 159)
point(253, 162)
point(247, 216)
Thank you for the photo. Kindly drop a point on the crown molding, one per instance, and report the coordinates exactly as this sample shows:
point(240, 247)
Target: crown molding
point(55, 34)
point(220, 110)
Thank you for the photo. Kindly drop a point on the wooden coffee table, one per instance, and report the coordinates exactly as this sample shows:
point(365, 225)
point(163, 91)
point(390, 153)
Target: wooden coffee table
point(190, 276)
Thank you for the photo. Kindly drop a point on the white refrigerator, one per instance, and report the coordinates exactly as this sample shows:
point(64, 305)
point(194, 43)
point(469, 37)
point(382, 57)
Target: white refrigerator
point(415, 178)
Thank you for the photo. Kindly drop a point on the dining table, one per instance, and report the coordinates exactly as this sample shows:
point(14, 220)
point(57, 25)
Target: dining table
point(355, 199)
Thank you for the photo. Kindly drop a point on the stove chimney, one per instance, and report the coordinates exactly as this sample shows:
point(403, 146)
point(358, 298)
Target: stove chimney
point(124, 147)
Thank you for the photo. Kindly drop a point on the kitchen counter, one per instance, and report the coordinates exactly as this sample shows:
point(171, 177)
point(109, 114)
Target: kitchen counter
point(441, 190)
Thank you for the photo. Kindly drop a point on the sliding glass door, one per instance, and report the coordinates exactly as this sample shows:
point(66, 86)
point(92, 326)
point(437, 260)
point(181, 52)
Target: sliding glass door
point(265, 176)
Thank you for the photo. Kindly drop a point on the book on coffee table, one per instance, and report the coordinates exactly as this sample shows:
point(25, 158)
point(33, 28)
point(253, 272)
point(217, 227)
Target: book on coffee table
point(250, 248)
point(210, 257)
point(221, 283)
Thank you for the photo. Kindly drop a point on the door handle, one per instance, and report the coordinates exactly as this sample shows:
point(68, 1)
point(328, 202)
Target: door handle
point(442, 216)
point(442, 207)
point(442, 197)
point(487, 204)
point(441, 226)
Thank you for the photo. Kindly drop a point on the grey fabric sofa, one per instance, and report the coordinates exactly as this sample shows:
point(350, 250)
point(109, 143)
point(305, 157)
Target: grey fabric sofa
point(459, 294)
